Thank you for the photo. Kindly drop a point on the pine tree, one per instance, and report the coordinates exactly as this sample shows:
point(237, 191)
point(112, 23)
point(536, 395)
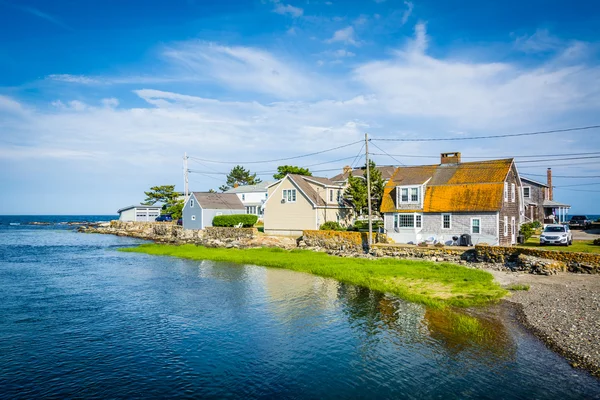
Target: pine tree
point(239, 176)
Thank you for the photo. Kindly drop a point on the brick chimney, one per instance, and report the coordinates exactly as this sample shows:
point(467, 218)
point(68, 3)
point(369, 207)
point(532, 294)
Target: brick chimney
point(549, 174)
point(236, 185)
point(347, 170)
point(451, 158)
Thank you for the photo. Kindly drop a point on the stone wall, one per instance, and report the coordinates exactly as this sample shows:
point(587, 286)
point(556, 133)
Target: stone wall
point(339, 240)
point(226, 233)
point(575, 262)
point(156, 231)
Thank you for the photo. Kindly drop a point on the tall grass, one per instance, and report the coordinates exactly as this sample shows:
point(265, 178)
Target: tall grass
point(428, 283)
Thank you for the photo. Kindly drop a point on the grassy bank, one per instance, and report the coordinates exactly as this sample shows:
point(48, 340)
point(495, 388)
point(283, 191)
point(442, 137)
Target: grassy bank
point(581, 246)
point(432, 284)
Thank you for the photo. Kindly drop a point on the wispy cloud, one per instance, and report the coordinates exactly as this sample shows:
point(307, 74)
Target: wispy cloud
point(407, 13)
point(73, 79)
point(539, 42)
point(345, 35)
point(284, 9)
point(44, 16)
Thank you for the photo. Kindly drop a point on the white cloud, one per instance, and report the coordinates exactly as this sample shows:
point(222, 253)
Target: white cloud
point(288, 9)
point(541, 41)
point(407, 13)
point(345, 35)
point(110, 103)
point(73, 79)
point(244, 68)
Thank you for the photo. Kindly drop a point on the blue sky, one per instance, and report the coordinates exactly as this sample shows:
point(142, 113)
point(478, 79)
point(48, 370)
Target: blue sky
point(99, 100)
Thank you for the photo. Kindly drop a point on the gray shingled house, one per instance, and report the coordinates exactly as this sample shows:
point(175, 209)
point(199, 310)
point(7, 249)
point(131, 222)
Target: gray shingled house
point(201, 207)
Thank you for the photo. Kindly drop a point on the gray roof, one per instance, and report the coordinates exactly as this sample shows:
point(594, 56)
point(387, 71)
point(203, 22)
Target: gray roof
point(219, 201)
point(550, 203)
point(137, 206)
point(261, 187)
point(386, 173)
point(303, 184)
point(534, 182)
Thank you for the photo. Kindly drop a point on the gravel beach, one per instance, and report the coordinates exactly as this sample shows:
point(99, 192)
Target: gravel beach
point(562, 310)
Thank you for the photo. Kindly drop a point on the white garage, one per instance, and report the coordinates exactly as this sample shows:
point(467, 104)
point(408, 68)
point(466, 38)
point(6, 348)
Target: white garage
point(139, 213)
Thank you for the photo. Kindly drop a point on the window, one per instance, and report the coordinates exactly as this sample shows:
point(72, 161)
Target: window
point(339, 195)
point(266, 195)
point(192, 203)
point(414, 195)
point(289, 195)
point(404, 198)
point(475, 226)
point(505, 226)
point(527, 192)
point(193, 217)
point(331, 195)
point(505, 191)
point(514, 192)
point(251, 210)
point(446, 221)
point(243, 197)
point(418, 221)
point(513, 225)
point(404, 220)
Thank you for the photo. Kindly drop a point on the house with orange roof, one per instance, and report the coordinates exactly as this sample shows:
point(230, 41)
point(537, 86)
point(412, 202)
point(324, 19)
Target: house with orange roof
point(441, 202)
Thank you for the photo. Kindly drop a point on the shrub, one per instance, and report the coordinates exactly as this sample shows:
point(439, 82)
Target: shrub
point(422, 244)
point(331, 226)
point(527, 230)
point(536, 224)
point(247, 220)
point(597, 242)
point(439, 244)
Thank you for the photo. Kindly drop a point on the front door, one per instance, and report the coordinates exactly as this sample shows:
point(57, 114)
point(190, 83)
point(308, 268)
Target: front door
point(513, 231)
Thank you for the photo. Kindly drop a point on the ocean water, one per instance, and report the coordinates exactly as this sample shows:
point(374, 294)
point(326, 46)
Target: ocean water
point(81, 320)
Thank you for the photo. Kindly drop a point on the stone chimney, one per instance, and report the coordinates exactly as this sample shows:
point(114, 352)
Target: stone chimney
point(451, 158)
point(550, 194)
point(347, 170)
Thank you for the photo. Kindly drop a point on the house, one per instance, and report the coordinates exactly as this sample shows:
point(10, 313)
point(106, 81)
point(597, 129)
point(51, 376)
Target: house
point(253, 197)
point(386, 173)
point(140, 213)
point(441, 201)
point(201, 207)
point(539, 202)
point(296, 203)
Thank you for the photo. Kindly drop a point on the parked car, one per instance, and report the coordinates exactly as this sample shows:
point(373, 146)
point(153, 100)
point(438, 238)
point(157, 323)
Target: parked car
point(164, 218)
point(180, 221)
point(556, 234)
point(580, 221)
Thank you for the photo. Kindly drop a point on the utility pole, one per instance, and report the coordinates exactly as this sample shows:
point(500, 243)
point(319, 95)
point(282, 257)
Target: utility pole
point(368, 190)
point(185, 176)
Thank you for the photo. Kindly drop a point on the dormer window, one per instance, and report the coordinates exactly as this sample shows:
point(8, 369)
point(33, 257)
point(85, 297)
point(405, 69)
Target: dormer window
point(409, 195)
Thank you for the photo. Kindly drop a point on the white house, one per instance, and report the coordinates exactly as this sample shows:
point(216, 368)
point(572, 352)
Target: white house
point(139, 213)
point(253, 197)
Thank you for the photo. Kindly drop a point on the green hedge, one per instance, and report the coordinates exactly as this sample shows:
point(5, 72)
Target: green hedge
point(248, 220)
point(527, 230)
point(331, 226)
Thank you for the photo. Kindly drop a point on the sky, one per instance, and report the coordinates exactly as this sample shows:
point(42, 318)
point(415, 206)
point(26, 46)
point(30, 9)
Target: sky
point(100, 99)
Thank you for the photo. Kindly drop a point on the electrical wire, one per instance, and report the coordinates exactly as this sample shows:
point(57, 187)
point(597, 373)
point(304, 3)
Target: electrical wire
point(492, 136)
point(489, 158)
point(389, 155)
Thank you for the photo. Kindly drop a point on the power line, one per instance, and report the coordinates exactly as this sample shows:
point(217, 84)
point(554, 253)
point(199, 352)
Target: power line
point(492, 136)
point(487, 158)
point(279, 159)
point(566, 176)
point(389, 155)
point(579, 185)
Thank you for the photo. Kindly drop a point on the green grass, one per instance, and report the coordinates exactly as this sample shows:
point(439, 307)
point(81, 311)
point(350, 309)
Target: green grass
point(582, 246)
point(517, 286)
point(432, 284)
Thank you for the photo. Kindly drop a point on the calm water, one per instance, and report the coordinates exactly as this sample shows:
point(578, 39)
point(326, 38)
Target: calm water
point(80, 319)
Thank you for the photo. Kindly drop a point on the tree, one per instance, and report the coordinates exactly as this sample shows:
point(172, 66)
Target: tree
point(356, 192)
point(176, 209)
point(161, 194)
point(283, 170)
point(241, 177)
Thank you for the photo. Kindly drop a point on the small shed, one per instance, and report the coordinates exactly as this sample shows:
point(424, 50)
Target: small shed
point(140, 213)
point(201, 207)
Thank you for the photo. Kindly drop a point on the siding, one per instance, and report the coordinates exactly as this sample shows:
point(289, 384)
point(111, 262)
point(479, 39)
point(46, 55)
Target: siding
point(537, 196)
point(288, 218)
point(432, 227)
point(189, 211)
point(510, 209)
point(128, 215)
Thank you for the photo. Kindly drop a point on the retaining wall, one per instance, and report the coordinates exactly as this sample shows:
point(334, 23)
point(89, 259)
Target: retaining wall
point(340, 240)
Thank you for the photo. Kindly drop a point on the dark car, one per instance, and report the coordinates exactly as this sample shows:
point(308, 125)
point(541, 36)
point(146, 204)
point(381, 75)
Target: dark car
point(164, 218)
point(180, 221)
point(580, 221)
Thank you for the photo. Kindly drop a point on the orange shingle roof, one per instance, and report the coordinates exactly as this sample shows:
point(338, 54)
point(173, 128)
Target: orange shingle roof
point(463, 187)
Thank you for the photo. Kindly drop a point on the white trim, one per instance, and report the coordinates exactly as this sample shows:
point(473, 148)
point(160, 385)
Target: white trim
point(302, 191)
point(505, 229)
point(497, 228)
point(409, 189)
point(536, 182)
point(269, 197)
point(506, 194)
point(191, 203)
point(479, 226)
point(513, 230)
point(288, 196)
point(513, 189)
point(193, 217)
point(523, 189)
point(450, 215)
